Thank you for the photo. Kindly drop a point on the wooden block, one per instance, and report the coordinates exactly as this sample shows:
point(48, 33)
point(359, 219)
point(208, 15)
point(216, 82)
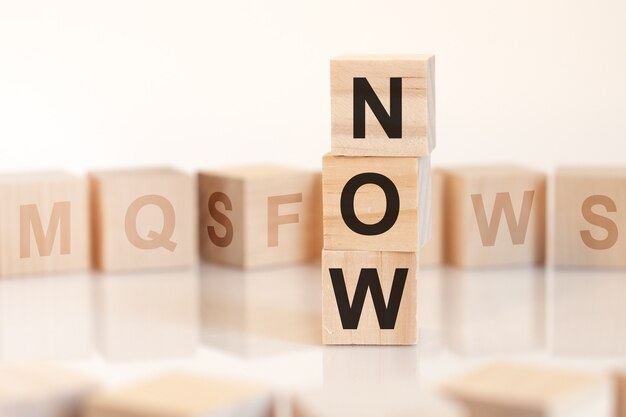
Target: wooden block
point(148, 315)
point(371, 400)
point(478, 304)
point(44, 226)
point(182, 395)
point(143, 219)
point(432, 252)
point(258, 216)
point(619, 380)
point(46, 319)
point(43, 391)
point(370, 203)
point(494, 216)
point(591, 207)
point(388, 316)
point(590, 303)
point(383, 105)
point(507, 389)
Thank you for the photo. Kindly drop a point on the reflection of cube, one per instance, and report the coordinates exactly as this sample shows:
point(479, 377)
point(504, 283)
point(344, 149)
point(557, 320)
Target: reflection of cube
point(383, 105)
point(260, 312)
point(42, 390)
point(591, 207)
point(356, 399)
point(260, 215)
point(147, 315)
point(43, 223)
point(182, 395)
point(619, 379)
point(46, 319)
point(371, 203)
point(383, 311)
point(505, 389)
point(494, 216)
point(596, 300)
point(494, 312)
point(143, 219)
point(432, 252)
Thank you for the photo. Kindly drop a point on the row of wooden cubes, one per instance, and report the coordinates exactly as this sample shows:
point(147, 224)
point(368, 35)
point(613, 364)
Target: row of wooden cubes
point(497, 390)
point(136, 219)
point(498, 216)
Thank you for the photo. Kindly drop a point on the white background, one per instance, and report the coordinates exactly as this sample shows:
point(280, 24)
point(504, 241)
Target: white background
point(199, 83)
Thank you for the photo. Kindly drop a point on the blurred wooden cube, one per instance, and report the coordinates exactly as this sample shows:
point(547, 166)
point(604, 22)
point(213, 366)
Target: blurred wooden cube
point(506, 389)
point(494, 216)
point(143, 219)
point(257, 216)
point(619, 380)
point(182, 395)
point(369, 298)
point(43, 391)
point(44, 223)
point(383, 105)
point(356, 399)
point(371, 203)
point(590, 207)
point(432, 252)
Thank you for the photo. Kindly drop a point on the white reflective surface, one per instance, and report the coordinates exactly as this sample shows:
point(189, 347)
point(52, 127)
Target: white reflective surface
point(266, 324)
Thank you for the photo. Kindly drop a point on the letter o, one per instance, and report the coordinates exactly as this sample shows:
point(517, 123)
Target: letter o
point(347, 204)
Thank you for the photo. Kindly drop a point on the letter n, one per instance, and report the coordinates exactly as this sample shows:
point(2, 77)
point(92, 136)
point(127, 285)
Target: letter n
point(390, 122)
point(30, 220)
point(350, 313)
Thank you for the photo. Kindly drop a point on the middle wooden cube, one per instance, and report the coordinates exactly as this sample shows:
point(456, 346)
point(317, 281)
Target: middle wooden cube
point(370, 203)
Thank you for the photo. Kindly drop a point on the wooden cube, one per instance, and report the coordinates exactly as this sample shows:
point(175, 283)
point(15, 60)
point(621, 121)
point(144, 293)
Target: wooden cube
point(388, 316)
point(494, 216)
point(182, 395)
point(143, 219)
point(591, 207)
point(368, 400)
point(507, 389)
point(258, 216)
point(383, 105)
point(147, 315)
point(619, 380)
point(590, 303)
point(432, 252)
point(44, 223)
point(43, 391)
point(371, 203)
point(478, 304)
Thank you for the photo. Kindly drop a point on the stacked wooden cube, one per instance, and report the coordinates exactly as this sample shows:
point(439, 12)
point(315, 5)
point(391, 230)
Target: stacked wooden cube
point(382, 134)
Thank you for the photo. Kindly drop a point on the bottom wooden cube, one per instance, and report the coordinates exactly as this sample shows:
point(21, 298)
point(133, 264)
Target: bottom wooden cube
point(182, 395)
point(371, 400)
point(507, 389)
point(619, 379)
point(369, 298)
point(42, 391)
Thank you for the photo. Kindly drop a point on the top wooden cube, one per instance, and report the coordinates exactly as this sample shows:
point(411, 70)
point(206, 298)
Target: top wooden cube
point(383, 105)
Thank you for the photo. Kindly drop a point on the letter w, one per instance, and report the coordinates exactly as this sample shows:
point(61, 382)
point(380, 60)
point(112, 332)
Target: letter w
point(29, 216)
point(368, 278)
point(517, 229)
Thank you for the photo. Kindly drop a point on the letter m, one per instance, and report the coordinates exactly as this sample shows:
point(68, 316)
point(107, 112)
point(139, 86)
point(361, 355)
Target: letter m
point(350, 314)
point(30, 220)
